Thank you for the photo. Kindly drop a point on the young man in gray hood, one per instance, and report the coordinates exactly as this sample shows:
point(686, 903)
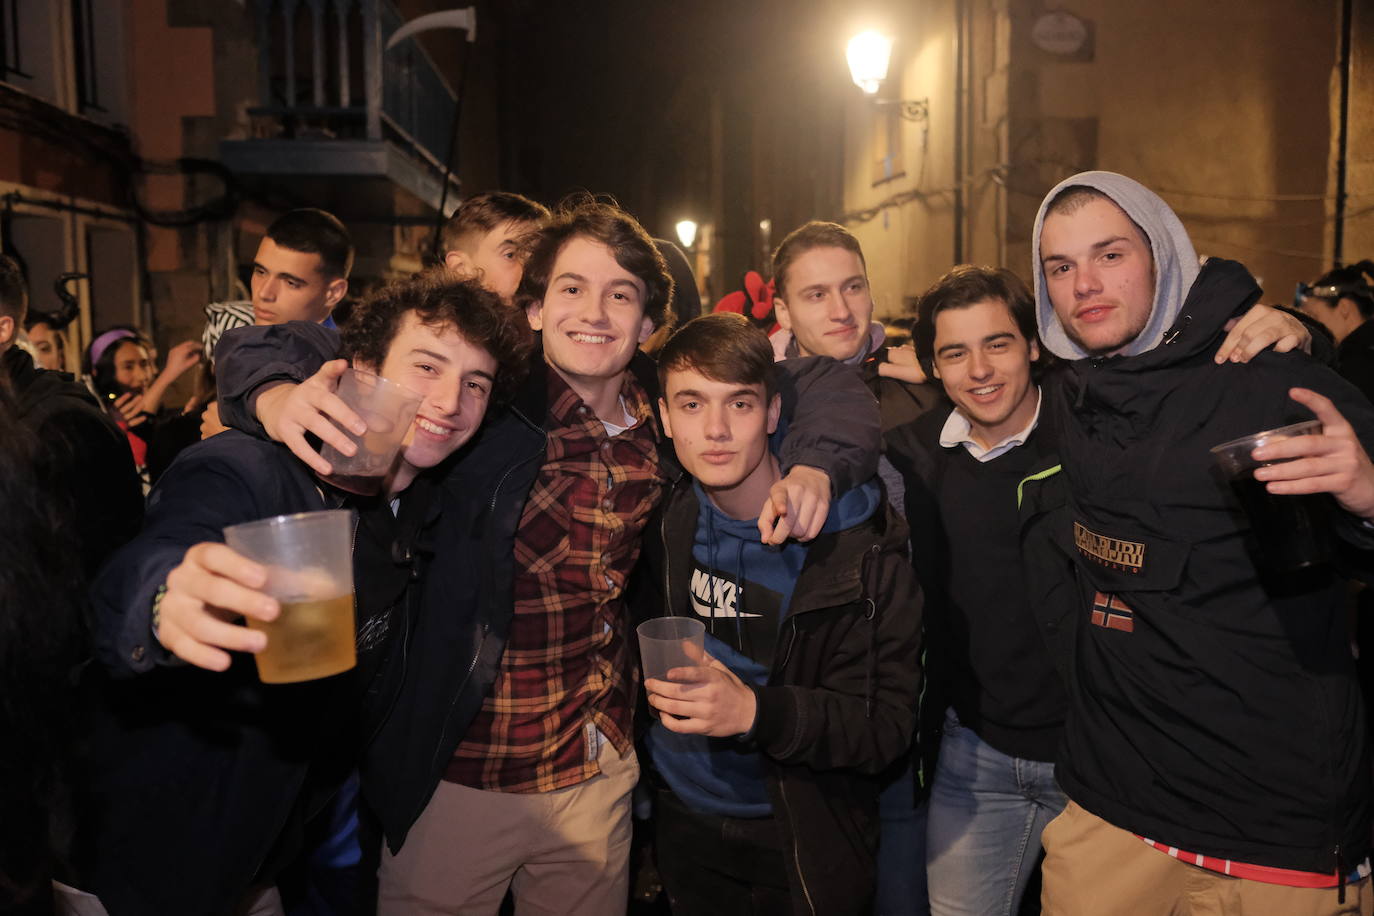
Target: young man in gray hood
point(1215, 754)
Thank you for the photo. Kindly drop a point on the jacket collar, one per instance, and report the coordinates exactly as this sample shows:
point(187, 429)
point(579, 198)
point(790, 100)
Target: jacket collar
point(1223, 290)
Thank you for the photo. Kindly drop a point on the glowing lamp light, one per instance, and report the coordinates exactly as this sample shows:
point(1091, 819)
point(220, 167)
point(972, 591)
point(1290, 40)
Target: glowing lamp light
point(868, 54)
point(687, 232)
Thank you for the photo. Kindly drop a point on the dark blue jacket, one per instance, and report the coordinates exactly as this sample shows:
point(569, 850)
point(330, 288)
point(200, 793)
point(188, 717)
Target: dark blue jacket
point(199, 783)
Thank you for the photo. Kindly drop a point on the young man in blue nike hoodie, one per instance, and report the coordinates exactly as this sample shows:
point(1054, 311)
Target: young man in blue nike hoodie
point(767, 755)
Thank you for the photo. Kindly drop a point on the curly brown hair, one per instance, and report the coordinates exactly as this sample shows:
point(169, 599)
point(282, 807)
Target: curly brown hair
point(583, 216)
point(440, 300)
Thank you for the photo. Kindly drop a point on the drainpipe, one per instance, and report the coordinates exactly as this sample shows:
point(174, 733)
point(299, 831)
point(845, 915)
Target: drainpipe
point(1345, 63)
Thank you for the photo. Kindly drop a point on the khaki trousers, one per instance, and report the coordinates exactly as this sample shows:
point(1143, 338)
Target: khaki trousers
point(1095, 869)
point(563, 853)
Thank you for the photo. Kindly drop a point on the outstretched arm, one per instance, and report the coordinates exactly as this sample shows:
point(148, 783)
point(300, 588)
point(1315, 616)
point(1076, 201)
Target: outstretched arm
point(249, 358)
point(832, 440)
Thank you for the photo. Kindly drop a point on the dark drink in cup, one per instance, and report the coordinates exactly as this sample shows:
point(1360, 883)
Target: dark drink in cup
point(361, 484)
point(1291, 532)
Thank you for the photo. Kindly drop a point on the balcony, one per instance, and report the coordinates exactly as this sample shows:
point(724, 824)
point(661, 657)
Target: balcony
point(335, 103)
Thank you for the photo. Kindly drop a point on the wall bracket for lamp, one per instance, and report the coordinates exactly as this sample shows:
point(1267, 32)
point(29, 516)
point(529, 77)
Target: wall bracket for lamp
point(917, 110)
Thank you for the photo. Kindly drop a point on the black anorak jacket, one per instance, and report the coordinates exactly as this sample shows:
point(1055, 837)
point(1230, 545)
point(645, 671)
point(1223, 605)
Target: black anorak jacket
point(1214, 707)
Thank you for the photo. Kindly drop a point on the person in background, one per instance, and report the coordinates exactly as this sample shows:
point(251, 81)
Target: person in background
point(120, 365)
point(83, 457)
point(483, 239)
point(199, 418)
point(49, 344)
point(824, 305)
point(301, 268)
point(41, 648)
point(1343, 301)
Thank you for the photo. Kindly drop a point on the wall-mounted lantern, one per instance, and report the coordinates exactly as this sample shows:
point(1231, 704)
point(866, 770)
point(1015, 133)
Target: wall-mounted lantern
point(868, 54)
point(686, 232)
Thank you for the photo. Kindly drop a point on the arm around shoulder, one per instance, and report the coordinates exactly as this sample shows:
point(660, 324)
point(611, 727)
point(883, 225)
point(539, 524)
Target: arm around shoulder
point(248, 358)
point(832, 419)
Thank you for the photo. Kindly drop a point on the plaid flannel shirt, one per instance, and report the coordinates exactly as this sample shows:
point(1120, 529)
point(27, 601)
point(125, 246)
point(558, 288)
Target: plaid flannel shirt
point(566, 672)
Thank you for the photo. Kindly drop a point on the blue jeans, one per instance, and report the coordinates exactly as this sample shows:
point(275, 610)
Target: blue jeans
point(901, 889)
point(987, 811)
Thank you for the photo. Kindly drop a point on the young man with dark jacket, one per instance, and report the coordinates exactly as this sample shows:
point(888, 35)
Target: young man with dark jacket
point(769, 751)
point(538, 531)
point(202, 778)
point(1215, 751)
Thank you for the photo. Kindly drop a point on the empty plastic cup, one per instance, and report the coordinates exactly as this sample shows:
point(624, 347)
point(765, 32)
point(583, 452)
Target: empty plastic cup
point(663, 643)
point(388, 409)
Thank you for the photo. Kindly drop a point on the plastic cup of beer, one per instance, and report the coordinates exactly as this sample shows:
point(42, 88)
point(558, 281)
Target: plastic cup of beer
point(664, 645)
point(309, 561)
point(388, 409)
point(1291, 532)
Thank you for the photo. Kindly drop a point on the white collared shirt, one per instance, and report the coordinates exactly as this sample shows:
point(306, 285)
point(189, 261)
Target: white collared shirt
point(958, 431)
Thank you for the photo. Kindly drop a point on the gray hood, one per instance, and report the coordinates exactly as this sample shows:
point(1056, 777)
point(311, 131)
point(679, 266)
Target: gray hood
point(1176, 265)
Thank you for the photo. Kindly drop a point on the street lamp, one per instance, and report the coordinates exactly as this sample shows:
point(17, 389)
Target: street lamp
point(686, 232)
point(868, 54)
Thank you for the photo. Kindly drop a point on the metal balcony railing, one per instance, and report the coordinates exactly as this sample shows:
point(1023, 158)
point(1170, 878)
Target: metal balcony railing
point(324, 73)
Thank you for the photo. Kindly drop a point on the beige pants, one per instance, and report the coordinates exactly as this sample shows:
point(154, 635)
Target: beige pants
point(563, 853)
point(1095, 869)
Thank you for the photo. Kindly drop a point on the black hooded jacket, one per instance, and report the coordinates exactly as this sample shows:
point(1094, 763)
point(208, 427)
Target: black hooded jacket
point(839, 703)
point(1213, 706)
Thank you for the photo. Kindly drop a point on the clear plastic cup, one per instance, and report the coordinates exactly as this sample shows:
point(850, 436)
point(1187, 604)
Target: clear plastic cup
point(388, 409)
point(664, 642)
point(309, 561)
point(1291, 532)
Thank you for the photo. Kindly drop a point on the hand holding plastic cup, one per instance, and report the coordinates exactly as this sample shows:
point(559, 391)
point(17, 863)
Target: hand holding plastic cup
point(1291, 531)
point(666, 643)
point(309, 562)
point(388, 409)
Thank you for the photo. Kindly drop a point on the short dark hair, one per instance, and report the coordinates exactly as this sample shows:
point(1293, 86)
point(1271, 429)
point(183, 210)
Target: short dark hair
point(14, 292)
point(439, 300)
point(606, 223)
point(723, 346)
point(815, 234)
point(1354, 282)
point(967, 285)
point(316, 232)
point(481, 213)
